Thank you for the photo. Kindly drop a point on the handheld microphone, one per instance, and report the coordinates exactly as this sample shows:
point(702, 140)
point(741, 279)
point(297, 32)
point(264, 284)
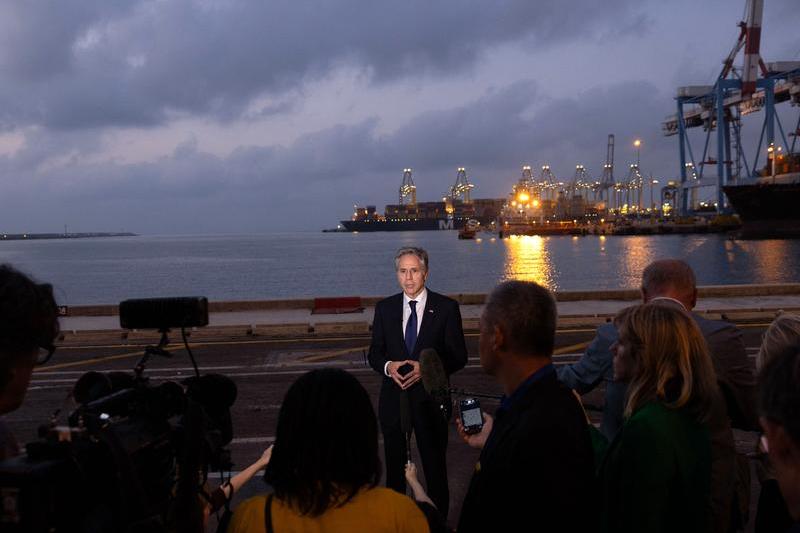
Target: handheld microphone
point(434, 380)
point(405, 422)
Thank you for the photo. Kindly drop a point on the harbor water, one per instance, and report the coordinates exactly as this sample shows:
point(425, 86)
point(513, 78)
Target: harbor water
point(302, 265)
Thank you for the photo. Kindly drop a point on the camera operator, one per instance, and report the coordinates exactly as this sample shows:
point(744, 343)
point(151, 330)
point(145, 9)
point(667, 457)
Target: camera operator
point(28, 328)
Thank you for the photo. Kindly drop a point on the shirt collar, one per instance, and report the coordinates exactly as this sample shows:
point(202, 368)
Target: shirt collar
point(421, 298)
point(508, 401)
point(669, 299)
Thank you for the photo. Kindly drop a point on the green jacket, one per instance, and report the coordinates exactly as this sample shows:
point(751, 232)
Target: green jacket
point(656, 474)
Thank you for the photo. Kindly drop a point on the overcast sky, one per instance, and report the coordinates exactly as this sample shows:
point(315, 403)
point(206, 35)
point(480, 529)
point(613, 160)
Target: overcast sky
point(217, 116)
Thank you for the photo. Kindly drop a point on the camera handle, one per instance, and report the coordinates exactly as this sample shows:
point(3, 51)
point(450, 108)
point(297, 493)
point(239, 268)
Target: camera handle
point(138, 370)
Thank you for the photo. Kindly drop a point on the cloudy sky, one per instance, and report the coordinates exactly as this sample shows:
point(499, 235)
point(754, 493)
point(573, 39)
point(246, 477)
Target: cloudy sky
point(218, 116)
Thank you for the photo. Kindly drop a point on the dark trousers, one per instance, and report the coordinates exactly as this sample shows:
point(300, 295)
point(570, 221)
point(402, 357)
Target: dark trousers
point(431, 434)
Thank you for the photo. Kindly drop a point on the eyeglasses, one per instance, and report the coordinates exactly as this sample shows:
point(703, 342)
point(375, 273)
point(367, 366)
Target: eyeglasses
point(44, 354)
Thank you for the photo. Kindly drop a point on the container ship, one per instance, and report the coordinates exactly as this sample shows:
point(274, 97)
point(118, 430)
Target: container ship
point(452, 213)
point(767, 206)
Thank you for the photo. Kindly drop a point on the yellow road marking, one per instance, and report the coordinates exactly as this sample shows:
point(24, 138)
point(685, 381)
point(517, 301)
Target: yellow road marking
point(330, 355)
point(88, 361)
point(570, 349)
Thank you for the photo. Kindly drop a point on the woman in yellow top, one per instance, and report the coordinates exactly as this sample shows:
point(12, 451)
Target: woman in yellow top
point(325, 466)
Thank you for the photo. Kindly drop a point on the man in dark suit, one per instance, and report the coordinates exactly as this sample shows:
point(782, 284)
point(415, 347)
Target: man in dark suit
point(536, 468)
point(670, 280)
point(404, 325)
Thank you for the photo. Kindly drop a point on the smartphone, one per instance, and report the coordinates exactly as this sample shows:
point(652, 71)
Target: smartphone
point(471, 416)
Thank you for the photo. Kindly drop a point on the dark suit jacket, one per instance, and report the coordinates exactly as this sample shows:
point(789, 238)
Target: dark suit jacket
point(538, 472)
point(734, 373)
point(440, 329)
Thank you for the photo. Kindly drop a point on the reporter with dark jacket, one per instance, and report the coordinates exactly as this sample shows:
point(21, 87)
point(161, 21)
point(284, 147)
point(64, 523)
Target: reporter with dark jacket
point(536, 468)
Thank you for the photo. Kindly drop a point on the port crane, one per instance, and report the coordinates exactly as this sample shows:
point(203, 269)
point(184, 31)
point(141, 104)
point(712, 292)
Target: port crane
point(718, 109)
point(408, 191)
point(549, 184)
point(526, 193)
point(462, 187)
point(606, 182)
point(581, 183)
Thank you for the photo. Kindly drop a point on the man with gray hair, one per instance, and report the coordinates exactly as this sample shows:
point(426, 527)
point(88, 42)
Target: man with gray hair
point(405, 324)
point(669, 281)
point(536, 468)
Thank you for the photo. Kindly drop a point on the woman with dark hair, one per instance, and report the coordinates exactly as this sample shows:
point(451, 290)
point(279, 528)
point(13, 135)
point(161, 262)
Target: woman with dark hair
point(779, 410)
point(781, 339)
point(656, 475)
point(325, 466)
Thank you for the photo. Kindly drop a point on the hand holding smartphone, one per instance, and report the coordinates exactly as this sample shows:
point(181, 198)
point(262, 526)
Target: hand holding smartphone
point(471, 416)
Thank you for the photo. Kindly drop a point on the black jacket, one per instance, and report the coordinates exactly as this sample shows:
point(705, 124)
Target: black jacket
point(440, 329)
point(537, 471)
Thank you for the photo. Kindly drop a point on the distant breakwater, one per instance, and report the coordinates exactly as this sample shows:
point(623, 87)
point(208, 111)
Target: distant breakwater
point(42, 236)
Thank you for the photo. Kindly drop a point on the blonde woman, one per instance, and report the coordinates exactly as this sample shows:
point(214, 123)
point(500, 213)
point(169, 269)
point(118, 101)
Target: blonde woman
point(656, 475)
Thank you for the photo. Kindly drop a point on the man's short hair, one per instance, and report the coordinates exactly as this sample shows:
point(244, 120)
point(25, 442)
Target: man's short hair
point(779, 393)
point(28, 317)
point(668, 276)
point(526, 313)
point(420, 253)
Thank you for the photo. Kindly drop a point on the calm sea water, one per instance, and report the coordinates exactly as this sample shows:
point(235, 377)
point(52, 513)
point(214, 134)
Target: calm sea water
point(296, 265)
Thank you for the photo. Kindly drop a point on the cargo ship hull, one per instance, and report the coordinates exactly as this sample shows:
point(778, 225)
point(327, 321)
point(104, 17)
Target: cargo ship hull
point(419, 224)
point(767, 209)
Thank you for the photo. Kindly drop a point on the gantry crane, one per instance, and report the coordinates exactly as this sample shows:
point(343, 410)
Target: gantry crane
point(607, 179)
point(737, 92)
point(408, 191)
point(462, 187)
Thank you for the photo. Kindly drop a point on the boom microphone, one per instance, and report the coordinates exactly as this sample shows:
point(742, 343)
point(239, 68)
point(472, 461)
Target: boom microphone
point(434, 380)
point(405, 422)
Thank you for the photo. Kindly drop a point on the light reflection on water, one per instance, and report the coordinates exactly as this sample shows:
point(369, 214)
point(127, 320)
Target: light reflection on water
point(528, 259)
point(302, 265)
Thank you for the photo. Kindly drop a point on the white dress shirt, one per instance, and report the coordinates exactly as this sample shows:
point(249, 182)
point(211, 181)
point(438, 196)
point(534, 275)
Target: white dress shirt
point(671, 300)
point(421, 299)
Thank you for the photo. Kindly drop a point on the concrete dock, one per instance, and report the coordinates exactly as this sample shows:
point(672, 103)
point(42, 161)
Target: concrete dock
point(295, 318)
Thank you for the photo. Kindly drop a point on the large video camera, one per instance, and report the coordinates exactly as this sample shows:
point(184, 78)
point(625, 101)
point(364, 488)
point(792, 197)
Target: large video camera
point(134, 455)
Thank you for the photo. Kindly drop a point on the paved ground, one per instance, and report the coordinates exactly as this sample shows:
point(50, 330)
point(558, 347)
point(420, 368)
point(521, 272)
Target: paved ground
point(263, 369)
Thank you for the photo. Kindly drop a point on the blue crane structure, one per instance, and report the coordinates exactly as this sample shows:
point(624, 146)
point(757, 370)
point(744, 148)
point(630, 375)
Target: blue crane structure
point(719, 108)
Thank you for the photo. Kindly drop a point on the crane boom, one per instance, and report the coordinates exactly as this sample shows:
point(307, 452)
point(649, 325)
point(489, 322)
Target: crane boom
point(752, 57)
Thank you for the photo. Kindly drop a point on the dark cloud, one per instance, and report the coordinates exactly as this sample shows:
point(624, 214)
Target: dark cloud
point(313, 182)
point(136, 63)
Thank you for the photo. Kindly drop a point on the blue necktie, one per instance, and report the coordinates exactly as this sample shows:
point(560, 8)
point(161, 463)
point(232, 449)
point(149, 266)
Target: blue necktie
point(411, 327)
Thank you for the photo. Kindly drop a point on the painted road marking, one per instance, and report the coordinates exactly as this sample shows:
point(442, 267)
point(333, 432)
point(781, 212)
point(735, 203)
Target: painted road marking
point(330, 355)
